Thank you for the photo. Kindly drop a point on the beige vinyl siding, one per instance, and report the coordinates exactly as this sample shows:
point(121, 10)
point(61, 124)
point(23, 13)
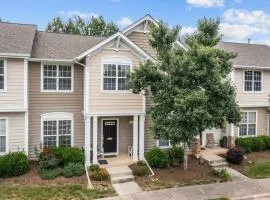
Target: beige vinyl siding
point(14, 97)
point(111, 102)
point(142, 40)
point(16, 131)
point(41, 103)
point(252, 98)
point(125, 133)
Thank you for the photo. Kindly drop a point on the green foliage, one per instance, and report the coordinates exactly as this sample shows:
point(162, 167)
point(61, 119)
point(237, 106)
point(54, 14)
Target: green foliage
point(50, 174)
point(256, 143)
point(68, 155)
point(140, 170)
point(99, 175)
point(259, 169)
point(13, 164)
point(223, 141)
point(224, 175)
point(189, 88)
point(176, 156)
point(141, 163)
point(49, 163)
point(94, 167)
point(96, 26)
point(235, 155)
point(73, 169)
point(157, 158)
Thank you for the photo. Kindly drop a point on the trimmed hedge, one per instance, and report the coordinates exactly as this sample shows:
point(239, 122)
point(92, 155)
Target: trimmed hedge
point(256, 143)
point(13, 164)
point(157, 158)
point(68, 155)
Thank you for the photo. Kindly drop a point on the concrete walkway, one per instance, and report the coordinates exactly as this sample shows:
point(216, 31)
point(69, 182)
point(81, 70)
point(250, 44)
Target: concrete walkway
point(240, 190)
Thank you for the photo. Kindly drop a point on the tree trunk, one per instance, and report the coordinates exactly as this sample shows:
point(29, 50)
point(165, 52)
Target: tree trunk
point(185, 156)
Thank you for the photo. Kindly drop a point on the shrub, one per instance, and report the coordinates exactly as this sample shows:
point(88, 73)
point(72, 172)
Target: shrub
point(50, 174)
point(235, 155)
point(245, 143)
point(257, 144)
point(141, 163)
point(176, 156)
point(99, 175)
point(94, 168)
point(73, 169)
point(266, 140)
point(224, 175)
point(49, 162)
point(13, 164)
point(140, 170)
point(68, 155)
point(157, 158)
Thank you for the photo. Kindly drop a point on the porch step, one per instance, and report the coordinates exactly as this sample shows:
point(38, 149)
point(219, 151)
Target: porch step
point(219, 165)
point(120, 174)
point(213, 159)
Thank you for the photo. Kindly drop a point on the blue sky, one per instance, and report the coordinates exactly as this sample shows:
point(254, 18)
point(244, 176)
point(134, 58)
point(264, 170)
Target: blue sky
point(241, 19)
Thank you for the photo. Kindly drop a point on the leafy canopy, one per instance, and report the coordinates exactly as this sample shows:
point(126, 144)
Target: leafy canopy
point(96, 26)
point(190, 88)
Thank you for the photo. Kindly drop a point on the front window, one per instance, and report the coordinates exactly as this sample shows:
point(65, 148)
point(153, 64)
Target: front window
point(2, 76)
point(115, 77)
point(3, 136)
point(253, 81)
point(248, 124)
point(57, 77)
point(57, 132)
point(163, 143)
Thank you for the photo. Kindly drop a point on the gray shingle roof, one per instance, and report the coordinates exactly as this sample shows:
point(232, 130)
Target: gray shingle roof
point(248, 54)
point(16, 38)
point(62, 46)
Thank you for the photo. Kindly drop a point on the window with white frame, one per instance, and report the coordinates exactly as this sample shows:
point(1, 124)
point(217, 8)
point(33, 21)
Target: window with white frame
point(3, 136)
point(115, 77)
point(57, 77)
point(248, 123)
point(57, 130)
point(3, 75)
point(253, 81)
point(163, 143)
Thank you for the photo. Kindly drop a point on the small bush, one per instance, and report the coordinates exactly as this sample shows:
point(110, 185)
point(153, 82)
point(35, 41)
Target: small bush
point(157, 158)
point(244, 143)
point(94, 168)
point(99, 175)
point(224, 175)
point(49, 162)
point(68, 155)
point(50, 174)
point(140, 170)
point(141, 163)
point(266, 140)
point(13, 164)
point(235, 155)
point(73, 169)
point(176, 156)
point(257, 144)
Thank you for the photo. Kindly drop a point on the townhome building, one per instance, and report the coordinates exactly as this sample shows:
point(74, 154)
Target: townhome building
point(72, 90)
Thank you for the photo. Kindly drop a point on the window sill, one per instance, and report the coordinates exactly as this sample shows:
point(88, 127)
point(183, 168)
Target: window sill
point(252, 92)
point(116, 92)
point(165, 147)
point(57, 91)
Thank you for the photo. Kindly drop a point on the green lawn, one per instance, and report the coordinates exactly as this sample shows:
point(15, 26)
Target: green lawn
point(259, 169)
point(54, 192)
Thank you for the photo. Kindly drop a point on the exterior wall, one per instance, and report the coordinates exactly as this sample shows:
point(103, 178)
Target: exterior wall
point(142, 40)
point(252, 98)
point(14, 97)
point(125, 133)
point(111, 102)
point(16, 131)
point(46, 102)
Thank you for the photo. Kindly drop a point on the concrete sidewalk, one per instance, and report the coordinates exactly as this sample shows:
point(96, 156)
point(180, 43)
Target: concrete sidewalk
point(239, 189)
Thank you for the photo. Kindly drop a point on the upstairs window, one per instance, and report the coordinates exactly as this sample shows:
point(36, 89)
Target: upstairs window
point(115, 76)
point(253, 81)
point(163, 143)
point(248, 124)
point(3, 76)
point(57, 77)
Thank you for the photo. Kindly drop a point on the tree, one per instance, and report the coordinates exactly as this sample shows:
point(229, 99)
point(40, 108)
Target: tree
point(96, 26)
point(190, 88)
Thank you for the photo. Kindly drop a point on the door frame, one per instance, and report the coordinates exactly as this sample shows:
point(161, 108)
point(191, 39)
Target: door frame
point(268, 124)
point(117, 135)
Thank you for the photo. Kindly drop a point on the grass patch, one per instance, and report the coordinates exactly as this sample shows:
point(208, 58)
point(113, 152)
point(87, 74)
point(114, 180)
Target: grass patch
point(259, 169)
point(55, 192)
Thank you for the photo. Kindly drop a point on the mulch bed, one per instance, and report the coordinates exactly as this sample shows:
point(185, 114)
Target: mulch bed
point(177, 176)
point(32, 177)
point(250, 158)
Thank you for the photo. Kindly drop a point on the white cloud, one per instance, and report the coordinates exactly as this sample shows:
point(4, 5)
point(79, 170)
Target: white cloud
point(124, 21)
point(74, 13)
point(187, 30)
point(206, 3)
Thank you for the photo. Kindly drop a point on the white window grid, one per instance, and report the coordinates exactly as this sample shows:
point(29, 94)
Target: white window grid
point(3, 135)
point(248, 123)
point(252, 81)
point(3, 75)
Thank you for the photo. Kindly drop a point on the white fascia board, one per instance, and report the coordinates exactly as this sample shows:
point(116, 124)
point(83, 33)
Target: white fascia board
point(14, 55)
point(51, 60)
point(251, 67)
